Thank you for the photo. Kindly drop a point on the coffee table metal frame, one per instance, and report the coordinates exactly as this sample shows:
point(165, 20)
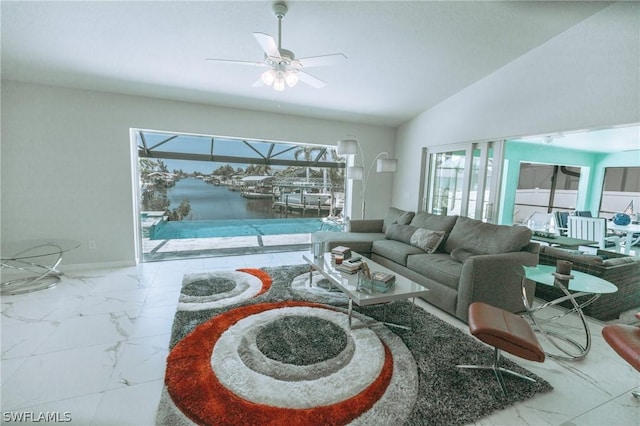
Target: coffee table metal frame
point(27, 257)
point(402, 289)
point(581, 285)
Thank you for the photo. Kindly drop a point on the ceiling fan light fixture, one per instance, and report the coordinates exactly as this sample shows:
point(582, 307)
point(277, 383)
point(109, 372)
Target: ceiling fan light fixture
point(268, 77)
point(284, 70)
point(278, 84)
point(291, 78)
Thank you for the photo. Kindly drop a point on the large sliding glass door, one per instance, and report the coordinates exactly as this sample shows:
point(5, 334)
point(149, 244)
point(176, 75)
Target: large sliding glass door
point(463, 179)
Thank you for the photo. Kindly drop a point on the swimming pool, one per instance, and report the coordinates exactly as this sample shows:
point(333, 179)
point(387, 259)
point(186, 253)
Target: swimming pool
point(236, 228)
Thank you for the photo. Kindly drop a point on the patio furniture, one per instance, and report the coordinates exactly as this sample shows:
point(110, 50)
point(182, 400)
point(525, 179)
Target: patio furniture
point(631, 234)
point(620, 270)
point(591, 228)
point(561, 219)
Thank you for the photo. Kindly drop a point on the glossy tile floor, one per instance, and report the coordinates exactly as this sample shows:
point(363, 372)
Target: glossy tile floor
point(93, 349)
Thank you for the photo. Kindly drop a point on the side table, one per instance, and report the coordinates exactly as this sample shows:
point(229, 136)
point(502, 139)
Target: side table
point(582, 285)
point(32, 264)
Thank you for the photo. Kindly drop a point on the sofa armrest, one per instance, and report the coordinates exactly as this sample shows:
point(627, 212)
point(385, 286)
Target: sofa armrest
point(366, 225)
point(495, 279)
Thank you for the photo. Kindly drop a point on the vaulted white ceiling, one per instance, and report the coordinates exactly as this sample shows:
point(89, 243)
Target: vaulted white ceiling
point(403, 56)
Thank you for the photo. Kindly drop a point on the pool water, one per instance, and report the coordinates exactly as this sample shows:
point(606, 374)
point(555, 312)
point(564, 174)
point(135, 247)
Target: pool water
point(236, 228)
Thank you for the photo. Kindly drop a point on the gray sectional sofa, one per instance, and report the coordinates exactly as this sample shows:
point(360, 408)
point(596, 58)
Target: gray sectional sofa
point(460, 260)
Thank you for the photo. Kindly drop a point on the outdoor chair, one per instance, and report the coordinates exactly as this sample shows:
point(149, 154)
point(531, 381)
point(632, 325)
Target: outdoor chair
point(561, 219)
point(592, 229)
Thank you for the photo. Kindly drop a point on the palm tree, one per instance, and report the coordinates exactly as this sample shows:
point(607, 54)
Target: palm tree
point(258, 170)
point(306, 152)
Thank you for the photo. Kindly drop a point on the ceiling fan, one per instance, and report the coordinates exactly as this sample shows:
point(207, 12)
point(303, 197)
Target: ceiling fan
point(283, 67)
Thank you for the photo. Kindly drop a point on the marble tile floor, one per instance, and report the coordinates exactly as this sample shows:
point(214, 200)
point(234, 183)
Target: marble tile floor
point(93, 348)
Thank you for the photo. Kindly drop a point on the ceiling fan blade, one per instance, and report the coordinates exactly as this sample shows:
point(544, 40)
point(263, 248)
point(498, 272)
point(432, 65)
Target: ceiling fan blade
point(268, 44)
point(311, 80)
point(232, 61)
point(258, 83)
point(324, 60)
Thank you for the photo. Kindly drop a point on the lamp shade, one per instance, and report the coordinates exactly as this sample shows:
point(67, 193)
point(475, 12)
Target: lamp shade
point(387, 165)
point(355, 173)
point(347, 146)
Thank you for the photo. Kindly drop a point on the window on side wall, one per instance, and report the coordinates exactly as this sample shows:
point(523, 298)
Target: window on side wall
point(620, 192)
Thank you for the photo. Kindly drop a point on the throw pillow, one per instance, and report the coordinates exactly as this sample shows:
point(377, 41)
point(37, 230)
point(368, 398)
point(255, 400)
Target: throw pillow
point(486, 238)
point(394, 215)
point(427, 239)
point(401, 233)
point(461, 255)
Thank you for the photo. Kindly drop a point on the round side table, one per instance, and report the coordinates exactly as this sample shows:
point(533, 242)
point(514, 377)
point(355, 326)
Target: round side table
point(580, 285)
point(31, 264)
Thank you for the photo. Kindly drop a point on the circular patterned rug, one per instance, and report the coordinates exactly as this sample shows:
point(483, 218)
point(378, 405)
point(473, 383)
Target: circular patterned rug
point(317, 289)
point(225, 288)
point(258, 347)
point(284, 362)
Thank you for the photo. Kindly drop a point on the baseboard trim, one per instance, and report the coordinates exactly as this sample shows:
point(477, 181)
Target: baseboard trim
point(101, 265)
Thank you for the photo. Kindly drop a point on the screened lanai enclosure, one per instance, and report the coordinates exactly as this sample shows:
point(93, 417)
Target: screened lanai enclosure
point(195, 186)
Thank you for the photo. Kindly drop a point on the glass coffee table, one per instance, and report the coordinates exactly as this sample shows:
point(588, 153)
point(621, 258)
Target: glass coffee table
point(582, 285)
point(402, 289)
point(31, 264)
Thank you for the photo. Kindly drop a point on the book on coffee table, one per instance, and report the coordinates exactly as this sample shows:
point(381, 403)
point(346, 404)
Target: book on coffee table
point(383, 277)
point(350, 266)
point(382, 281)
point(344, 251)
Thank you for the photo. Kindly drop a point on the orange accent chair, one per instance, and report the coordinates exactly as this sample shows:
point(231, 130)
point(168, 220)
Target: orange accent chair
point(504, 331)
point(625, 340)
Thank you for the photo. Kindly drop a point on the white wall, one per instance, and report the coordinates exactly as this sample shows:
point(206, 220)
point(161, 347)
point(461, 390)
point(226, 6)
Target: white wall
point(66, 163)
point(586, 77)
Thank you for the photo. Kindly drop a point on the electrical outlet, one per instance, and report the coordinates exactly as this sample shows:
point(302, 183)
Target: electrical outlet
point(91, 244)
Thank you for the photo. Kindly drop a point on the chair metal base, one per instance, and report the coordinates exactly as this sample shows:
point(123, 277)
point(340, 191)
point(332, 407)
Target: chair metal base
point(498, 371)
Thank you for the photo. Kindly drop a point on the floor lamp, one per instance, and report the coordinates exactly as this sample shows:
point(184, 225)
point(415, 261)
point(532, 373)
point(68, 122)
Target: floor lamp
point(356, 172)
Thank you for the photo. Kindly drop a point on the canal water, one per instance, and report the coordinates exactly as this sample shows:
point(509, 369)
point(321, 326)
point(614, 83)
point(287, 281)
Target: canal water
point(210, 202)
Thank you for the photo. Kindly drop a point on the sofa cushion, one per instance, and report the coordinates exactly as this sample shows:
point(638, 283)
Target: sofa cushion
point(359, 242)
point(619, 261)
point(572, 255)
point(435, 223)
point(486, 238)
point(402, 233)
point(460, 255)
point(426, 239)
point(438, 267)
point(394, 250)
point(395, 215)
